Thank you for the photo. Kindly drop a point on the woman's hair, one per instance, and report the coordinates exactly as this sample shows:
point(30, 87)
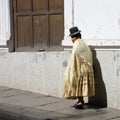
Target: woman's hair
point(77, 35)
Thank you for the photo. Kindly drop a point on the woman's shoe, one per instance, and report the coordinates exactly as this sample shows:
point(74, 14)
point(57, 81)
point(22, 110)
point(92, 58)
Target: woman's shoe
point(79, 105)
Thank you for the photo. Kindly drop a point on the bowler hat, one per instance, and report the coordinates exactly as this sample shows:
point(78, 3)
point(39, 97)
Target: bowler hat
point(74, 31)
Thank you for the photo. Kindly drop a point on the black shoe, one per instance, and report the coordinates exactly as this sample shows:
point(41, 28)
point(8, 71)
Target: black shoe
point(79, 105)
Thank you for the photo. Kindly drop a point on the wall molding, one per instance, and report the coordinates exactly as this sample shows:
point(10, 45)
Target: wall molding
point(4, 21)
point(111, 44)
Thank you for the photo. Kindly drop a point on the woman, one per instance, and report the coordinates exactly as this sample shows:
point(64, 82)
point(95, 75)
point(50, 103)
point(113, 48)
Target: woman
point(78, 80)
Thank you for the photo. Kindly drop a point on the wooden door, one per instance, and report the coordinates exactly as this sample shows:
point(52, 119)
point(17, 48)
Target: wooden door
point(38, 24)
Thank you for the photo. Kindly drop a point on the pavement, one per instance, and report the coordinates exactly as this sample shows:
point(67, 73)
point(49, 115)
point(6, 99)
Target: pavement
point(23, 105)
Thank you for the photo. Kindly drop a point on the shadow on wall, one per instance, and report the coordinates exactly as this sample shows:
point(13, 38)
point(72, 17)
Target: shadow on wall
point(100, 98)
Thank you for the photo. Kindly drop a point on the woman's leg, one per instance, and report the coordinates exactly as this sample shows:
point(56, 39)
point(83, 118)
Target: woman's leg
point(80, 99)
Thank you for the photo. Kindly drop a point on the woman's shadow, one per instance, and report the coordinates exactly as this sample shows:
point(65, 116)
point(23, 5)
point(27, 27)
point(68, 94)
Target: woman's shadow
point(100, 98)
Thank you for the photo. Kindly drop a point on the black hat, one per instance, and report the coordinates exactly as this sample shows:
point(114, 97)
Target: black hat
point(74, 31)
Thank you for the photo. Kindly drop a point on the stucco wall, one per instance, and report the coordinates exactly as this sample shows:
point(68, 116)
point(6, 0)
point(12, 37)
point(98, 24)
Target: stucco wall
point(42, 72)
point(98, 19)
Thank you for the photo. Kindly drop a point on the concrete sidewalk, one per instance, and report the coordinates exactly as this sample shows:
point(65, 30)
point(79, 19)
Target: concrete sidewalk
point(23, 105)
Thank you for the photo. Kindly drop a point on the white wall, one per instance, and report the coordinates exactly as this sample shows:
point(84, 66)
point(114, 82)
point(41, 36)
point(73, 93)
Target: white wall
point(98, 19)
point(37, 72)
point(40, 72)
point(100, 24)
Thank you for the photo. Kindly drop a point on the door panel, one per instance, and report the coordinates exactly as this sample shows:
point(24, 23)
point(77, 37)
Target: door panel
point(24, 33)
point(40, 5)
point(56, 4)
point(24, 5)
point(56, 30)
point(40, 31)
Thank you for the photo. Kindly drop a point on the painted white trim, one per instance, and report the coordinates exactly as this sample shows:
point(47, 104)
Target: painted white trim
point(4, 49)
point(110, 49)
point(4, 21)
point(68, 17)
point(67, 43)
point(99, 45)
point(107, 42)
point(94, 42)
point(3, 42)
point(97, 49)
